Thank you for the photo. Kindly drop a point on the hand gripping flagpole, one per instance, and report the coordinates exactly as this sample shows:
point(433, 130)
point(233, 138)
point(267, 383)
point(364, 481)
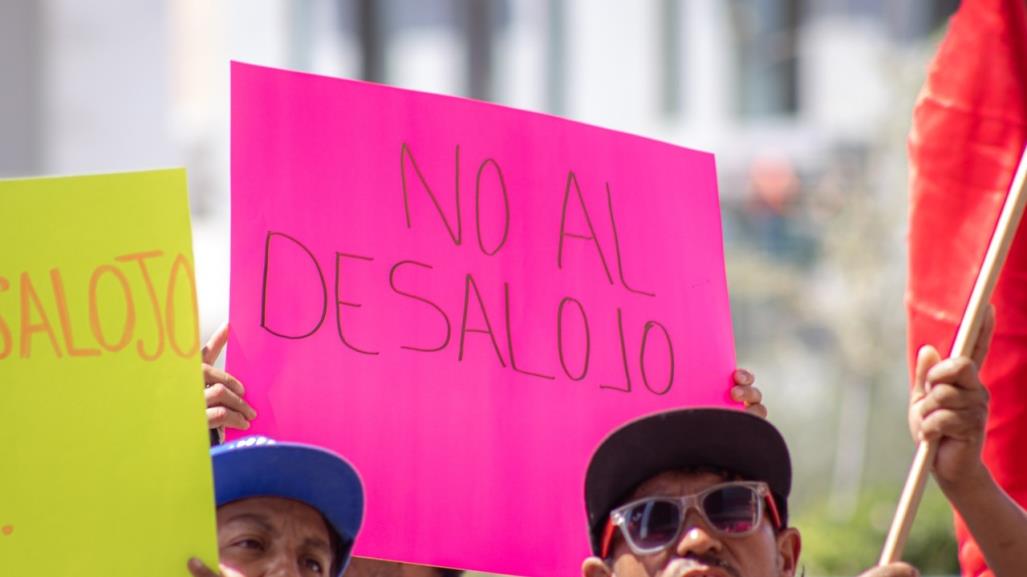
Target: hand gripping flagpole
point(969, 327)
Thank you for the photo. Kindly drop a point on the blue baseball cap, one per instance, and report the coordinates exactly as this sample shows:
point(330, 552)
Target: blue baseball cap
point(263, 467)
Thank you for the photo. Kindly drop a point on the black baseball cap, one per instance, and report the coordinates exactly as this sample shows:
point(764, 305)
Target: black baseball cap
point(727, 439)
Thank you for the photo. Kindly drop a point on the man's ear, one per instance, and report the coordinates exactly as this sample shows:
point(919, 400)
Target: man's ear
point(594, 567)
point(789, 544)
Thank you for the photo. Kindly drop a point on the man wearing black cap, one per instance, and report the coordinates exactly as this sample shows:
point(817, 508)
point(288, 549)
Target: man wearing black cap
point(694, 493)
point(283, 510)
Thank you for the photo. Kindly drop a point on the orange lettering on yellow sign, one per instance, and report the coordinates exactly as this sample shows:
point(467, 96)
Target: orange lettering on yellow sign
point(36, 307)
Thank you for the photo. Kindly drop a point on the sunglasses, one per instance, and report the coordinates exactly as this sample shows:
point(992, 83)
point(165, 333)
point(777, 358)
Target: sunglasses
point(652, 524)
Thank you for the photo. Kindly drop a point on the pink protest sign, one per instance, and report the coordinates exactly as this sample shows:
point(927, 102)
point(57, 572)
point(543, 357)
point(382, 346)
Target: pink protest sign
point(464, 299)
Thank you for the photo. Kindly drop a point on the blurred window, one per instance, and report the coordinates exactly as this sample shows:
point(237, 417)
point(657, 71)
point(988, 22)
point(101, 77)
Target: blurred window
point(434, 45)
point(672, 57)
point(556, 56)
point(766, 34)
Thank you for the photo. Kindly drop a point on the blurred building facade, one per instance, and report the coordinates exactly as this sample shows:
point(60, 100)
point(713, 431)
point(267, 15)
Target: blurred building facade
point(805, 105)
point(767, 85)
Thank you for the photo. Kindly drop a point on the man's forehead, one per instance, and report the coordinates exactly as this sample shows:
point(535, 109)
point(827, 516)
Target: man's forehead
point(682, 482)
point(274, 513)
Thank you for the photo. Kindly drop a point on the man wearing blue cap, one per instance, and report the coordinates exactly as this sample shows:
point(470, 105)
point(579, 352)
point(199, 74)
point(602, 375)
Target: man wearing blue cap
point(284, 510)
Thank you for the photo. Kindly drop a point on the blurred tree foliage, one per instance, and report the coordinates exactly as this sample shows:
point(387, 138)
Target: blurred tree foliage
point(833, 546)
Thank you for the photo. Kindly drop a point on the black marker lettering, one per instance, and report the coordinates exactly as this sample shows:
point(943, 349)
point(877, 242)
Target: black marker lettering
point(404, 154)
point(341, 303)
point(468, 285)
point(264, 296)
point(616, 245)
point(572, 180)
point(442, 313)
point(623, 356)
point(477, 208)
point(670, 352)
point(559, 338)
point(509, 338)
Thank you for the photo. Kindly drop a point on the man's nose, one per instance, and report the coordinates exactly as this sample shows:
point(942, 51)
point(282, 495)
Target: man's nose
point(697, 538)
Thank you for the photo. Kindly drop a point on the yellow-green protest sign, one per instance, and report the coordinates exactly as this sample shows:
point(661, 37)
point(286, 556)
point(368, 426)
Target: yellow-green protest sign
point(104, 463)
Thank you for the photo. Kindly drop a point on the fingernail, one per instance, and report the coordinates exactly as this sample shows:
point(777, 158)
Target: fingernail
point(195, 564)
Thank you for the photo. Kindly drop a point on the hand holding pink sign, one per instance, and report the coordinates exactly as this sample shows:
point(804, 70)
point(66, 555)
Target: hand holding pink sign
point(463, 299)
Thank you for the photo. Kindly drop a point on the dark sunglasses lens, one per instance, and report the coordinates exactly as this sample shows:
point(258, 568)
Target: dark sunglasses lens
point(653, 524)
point(733, 509)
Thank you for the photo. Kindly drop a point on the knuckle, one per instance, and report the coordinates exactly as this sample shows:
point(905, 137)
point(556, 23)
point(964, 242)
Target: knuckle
point(236, 421)
point(945, 371)
point(947, 395)
point(940, 392)
point(218, 392)
point(215, 417)
point(932, 423)
point(922, 411)
point(965, 367)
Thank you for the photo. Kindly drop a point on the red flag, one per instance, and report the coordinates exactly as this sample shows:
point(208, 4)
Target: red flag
point(969, 130)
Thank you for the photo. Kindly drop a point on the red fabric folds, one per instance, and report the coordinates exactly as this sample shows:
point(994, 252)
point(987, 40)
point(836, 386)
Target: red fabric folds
point(969, 130)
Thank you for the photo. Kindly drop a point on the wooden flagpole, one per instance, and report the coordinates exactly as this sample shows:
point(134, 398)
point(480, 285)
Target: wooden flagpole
point(969, 327)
